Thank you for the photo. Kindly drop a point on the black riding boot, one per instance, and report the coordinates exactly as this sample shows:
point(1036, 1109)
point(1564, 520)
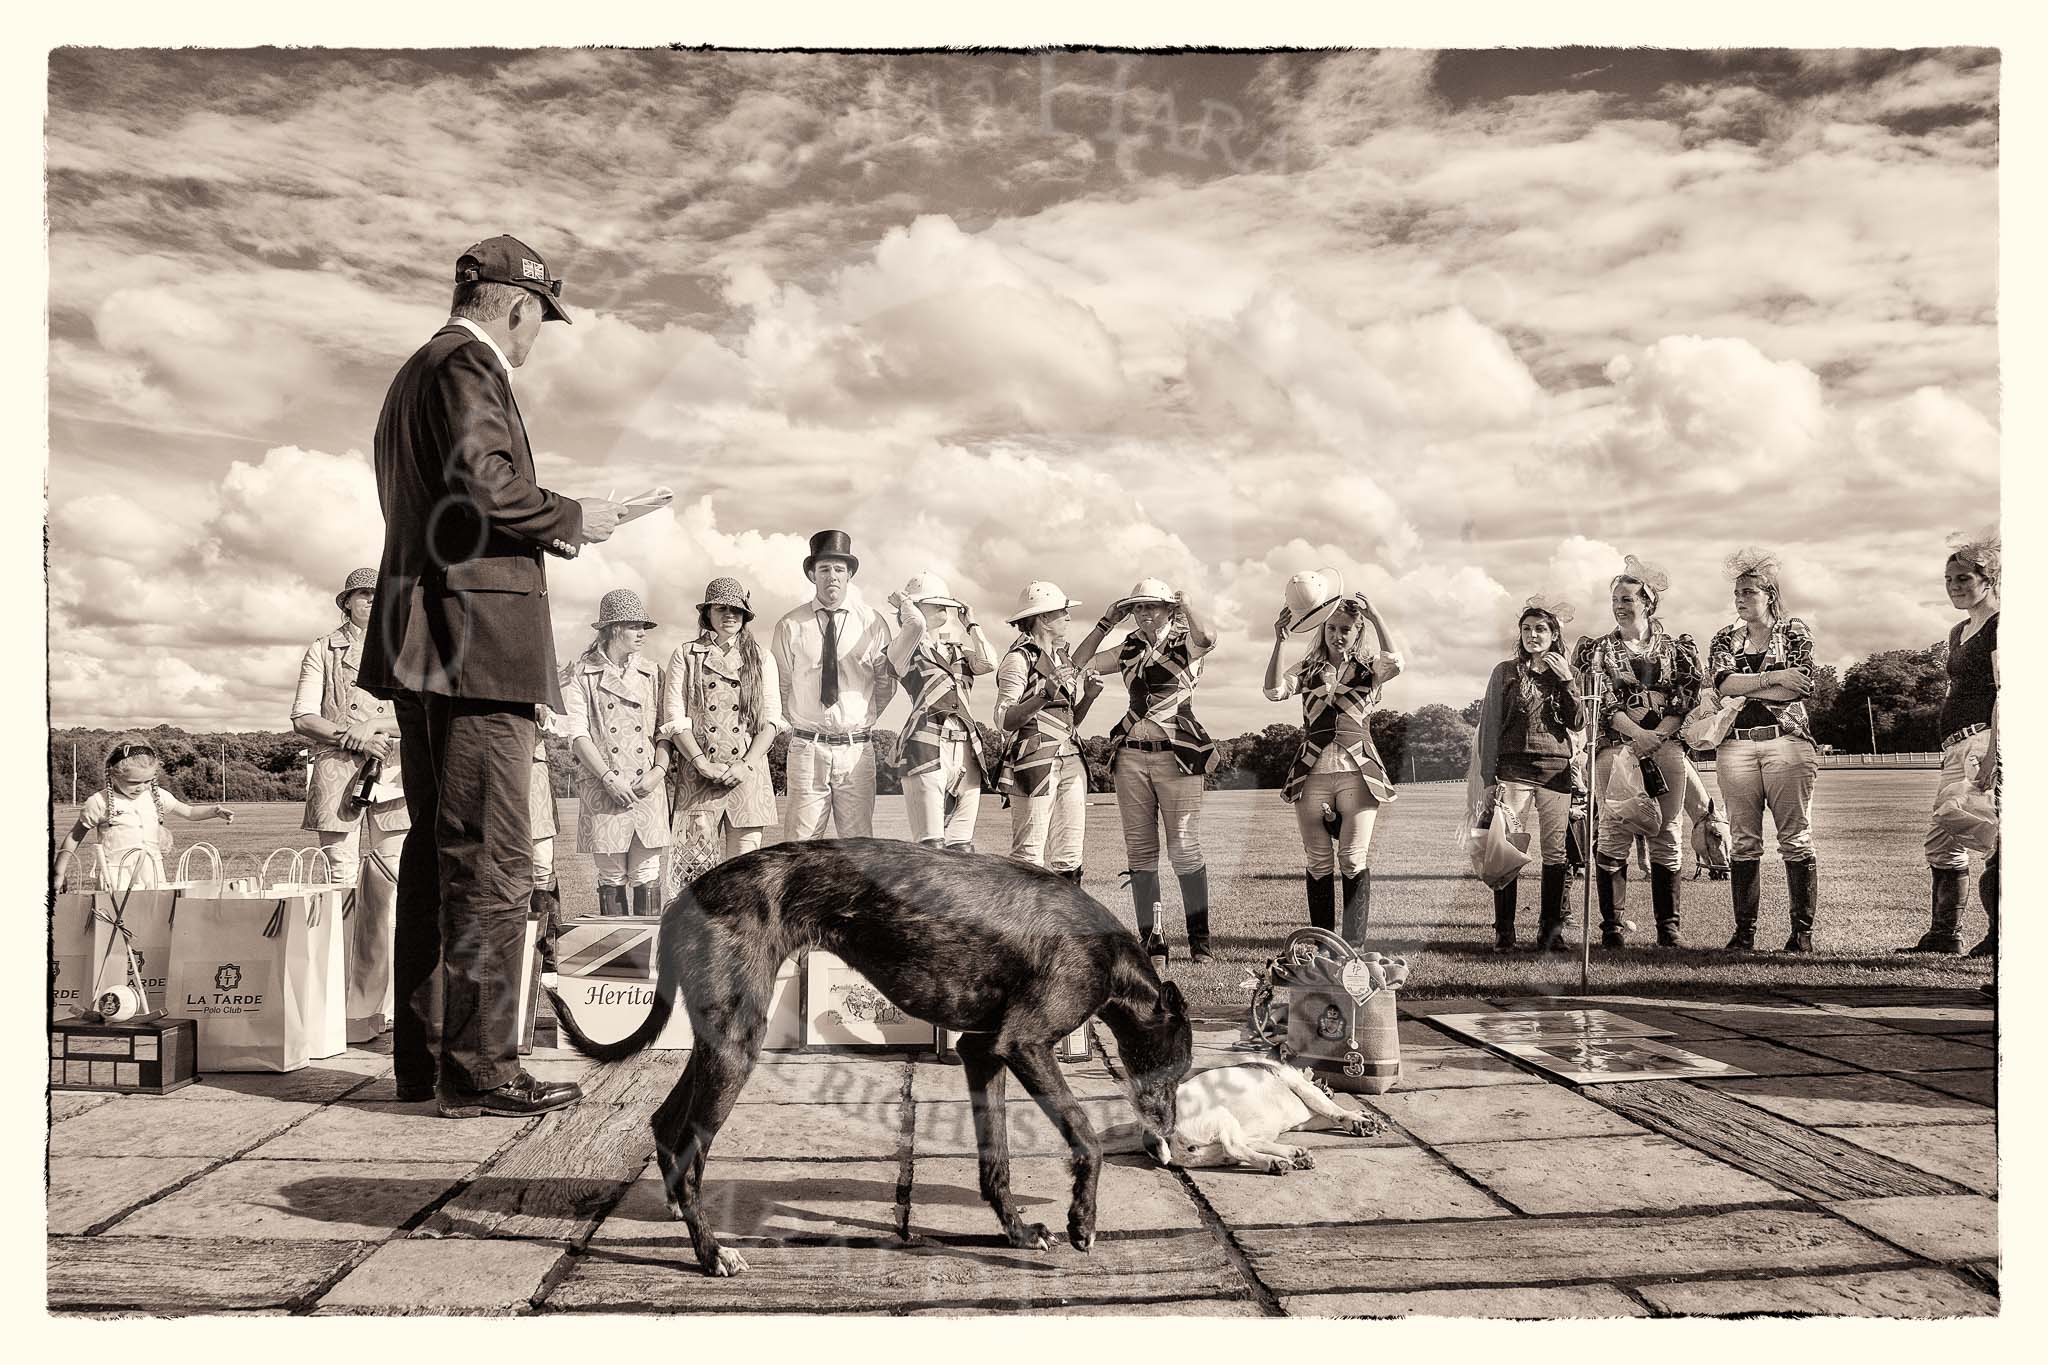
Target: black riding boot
point(1943, 932)
point(647, 901)
point(611, 901)
point(1745, 877)
point(1072, 874)
point(547, 905)
point(1557, 880)
point(1194, 901)
point(1322, 901)
point(1357, 905)
point(1987, 892)
point(1504, 917)
point(1664, 899)
point(1145, 896)
point(1611, 884)
point(1802, 888)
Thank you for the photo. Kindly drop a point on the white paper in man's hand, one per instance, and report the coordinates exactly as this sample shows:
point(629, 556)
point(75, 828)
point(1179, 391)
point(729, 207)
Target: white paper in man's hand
point(640, 504)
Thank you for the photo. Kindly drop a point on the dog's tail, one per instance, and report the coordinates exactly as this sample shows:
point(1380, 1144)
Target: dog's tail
point(650, 1028)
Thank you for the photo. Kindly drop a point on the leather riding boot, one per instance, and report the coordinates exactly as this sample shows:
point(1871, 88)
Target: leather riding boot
point(1745, 876)
point(1194, 901)
point(547, 906)
point(611, 901)
point(1987, 892)
point(1802, 889)
point(1357, 905)
point(1943, 932)
point(1611, 884)
point(1504, 917)
point(1557, 880)
point(647, 900)
point(1322, 901)
point(1664, 900)
point(1145, 895)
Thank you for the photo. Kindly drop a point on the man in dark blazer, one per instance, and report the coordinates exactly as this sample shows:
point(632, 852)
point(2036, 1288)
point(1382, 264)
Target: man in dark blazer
point(461, 642)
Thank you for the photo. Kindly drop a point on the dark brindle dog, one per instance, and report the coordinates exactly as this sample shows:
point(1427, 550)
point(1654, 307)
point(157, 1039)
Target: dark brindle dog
point(1013, 956)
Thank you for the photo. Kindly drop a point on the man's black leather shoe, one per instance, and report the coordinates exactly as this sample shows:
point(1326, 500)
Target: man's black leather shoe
point(521, 1097)
point(415, 1094)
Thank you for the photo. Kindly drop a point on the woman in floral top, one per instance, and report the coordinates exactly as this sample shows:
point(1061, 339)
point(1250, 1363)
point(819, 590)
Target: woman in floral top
point(1648, 680)
point(1766, 658)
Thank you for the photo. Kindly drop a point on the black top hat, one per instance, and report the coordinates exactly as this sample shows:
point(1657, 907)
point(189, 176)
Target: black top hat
point(831, 545)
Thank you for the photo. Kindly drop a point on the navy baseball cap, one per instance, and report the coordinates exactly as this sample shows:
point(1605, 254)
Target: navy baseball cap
point(507, 260)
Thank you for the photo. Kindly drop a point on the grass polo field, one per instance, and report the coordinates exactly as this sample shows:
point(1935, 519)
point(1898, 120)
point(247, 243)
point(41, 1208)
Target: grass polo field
point(1868, 831)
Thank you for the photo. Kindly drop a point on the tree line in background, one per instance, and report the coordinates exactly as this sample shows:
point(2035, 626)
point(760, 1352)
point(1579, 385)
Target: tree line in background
point(1893, 698)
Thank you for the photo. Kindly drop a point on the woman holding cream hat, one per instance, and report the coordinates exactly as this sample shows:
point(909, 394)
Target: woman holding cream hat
point(1040, 700)
point(1337, 782)
point(1162, 753)
point(937, 652)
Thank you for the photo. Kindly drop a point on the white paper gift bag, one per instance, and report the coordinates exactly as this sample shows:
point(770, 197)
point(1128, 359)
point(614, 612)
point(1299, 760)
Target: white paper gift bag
point(232, 963)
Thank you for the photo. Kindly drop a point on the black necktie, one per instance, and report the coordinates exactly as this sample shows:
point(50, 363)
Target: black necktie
point(828, 686)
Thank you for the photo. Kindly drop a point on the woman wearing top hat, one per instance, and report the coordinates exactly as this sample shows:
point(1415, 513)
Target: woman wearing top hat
point(1160, 751)
point(1337, 782)
point(613, 697)
point(720, 710)
point(1648, 680)
point(1040, 700)
point(352, 730)
point(937, 653)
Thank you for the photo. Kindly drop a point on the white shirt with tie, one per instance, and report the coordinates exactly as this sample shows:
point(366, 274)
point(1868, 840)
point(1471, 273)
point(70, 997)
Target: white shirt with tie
point(866, 683)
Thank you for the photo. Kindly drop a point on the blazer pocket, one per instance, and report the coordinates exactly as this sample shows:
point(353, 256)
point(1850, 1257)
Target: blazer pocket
point(492, 575)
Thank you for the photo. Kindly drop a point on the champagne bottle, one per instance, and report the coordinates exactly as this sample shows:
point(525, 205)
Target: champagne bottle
point(1332, 821)
point(359, 796)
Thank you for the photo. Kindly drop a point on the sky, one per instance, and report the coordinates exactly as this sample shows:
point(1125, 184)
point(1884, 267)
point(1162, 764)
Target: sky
point(1464, 326)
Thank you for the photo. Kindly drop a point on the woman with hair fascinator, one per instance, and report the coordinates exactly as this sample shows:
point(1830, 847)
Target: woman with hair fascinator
point(1969, 744)
point(1649, 679)
point(1522, 759)
point(1766, 658)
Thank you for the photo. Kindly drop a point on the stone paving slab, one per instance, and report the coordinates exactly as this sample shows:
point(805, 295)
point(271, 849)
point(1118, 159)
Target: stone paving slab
point(408, 1277)
point(1983, 1040)
point(553, 1183)
point(1977, 1086)
point(1897, 1051)
point(316, 1083)
point(754, 1201)
point(789, 1132)
point(391, 1132)
point(1778, 1021)
point(1938, 1015)
point(1494, 1113)
point(1347, 1185)
point(1457, 1068)
point(1966, 1153)
point(946, 1128)
point(1925, 1293)
point(1845, 1101)
point(325, 1201)
point(1768, 1059)
point(189, 1275)
point(152, 1125)
point(1532, 1251)
point(833, 1081)
point(1150, 1308)
point(1132, 1195)
point(86, 1190)
point(1957, 1227)
point(69, 1104)
point(1547, 1301)
point(1655, 1011)
point(871, 1278)
point(1608, 1175)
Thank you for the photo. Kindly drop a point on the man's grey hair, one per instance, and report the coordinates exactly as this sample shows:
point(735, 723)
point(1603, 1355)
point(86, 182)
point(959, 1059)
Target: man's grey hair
point(486, 300)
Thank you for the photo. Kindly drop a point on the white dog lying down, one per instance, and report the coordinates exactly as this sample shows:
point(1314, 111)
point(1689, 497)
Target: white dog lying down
point(1234, 1114)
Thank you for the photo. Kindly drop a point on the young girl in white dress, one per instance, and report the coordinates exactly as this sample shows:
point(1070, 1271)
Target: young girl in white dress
point(128, 814)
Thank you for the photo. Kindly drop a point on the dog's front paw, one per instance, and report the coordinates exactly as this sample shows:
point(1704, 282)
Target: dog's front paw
point(726, 1262)
point(1274, 1165)
point(1361, 1126)
point(1081, 1238)
point(1030, 1236)
point(1302, 1158)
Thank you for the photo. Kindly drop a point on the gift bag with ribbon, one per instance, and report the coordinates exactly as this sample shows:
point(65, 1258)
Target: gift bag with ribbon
point(232, 961)
point(73, 927)
point(318, 975)
point(132, 929)
point(1626, 800)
